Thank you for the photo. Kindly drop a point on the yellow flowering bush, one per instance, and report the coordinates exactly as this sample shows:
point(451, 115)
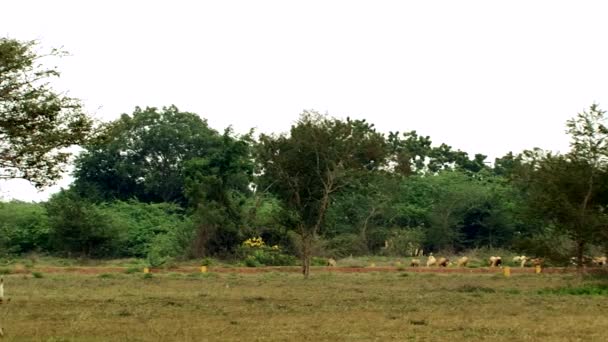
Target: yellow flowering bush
point(256, 253)
point(254, 242)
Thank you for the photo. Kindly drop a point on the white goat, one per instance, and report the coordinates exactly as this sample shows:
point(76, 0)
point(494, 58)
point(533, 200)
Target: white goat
point(431, 261)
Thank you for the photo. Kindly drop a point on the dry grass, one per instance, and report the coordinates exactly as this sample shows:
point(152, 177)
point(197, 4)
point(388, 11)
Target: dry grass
point(284, 307)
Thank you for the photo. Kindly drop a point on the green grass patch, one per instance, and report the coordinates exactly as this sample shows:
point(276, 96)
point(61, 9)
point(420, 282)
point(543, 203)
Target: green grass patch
point(467, 288)
point(584, 290)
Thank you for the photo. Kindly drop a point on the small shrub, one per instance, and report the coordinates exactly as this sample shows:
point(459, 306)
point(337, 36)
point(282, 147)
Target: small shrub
point(206, 262)
point(37, 275)
point(148, 276)
point(316, 261)
point(251, 261)
point(105, 276)
point(154, 259)
point(5, 271)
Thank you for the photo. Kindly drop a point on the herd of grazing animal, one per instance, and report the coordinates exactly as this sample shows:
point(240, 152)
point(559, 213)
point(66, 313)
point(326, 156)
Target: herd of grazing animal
point(493, 261)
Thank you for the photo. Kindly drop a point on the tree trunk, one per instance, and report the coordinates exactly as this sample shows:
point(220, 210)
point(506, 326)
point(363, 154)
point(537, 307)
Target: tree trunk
point(580, 247)
point(306, 254)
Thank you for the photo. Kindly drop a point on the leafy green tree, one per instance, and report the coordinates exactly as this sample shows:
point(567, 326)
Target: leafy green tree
point(308, 167)
point(362, 209)
point(412, 154)
point(507, 165)
point(470, 210)
point(143, 156)
point(37, 123)
point(217, 187)
point(567, 191)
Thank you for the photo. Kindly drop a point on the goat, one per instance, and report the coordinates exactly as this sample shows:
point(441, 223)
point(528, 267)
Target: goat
point(431, 260)
point(443, 262)
point(495, 261)
point(521, 259)
point(462, 262)
point(331, 262)
point(415, 263)
point(600, 261)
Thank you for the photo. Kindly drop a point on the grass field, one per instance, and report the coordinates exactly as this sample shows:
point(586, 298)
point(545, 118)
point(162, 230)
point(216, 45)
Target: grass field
point(284, 307)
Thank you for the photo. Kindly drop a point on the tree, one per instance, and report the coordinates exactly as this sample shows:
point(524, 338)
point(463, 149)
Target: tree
point(565, 190)
point(308, 167)
point(216, 188)
point(37, 123)
point(143, 155)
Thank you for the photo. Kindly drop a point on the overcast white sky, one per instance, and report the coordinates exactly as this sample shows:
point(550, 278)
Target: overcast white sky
point(482, 76)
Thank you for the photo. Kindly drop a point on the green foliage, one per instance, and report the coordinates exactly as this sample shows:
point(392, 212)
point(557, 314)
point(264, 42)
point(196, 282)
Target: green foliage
point(24, 227)
point(467, 288)
point(306, 168)
point(568, 192)
point(207, 262)
point(584, 290)
point(141, 225)
point(37, 275)
point(143, 155)
point(413, 155)
point(256, 253)
point(78, 227)
point(37, 124)
point(132, 270)
point(216, 188)
point(403, 242)
point(343, 245)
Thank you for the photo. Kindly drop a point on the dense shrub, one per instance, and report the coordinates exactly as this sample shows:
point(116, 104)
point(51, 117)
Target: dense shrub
point(24, 227)
point(142, 226)
point(79, 227)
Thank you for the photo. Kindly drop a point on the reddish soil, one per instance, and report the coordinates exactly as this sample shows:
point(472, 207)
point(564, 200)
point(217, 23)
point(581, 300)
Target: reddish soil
point(295, 269)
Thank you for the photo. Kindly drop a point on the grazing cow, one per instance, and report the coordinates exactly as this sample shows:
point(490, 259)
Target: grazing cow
point(331, 262)
point(495, 261)
point(443, 262)
point(462, 262)
point(431, 260)
point(415, 263)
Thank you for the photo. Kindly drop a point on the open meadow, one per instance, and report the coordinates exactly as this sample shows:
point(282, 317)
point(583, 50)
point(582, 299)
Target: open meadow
point(282, 306)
